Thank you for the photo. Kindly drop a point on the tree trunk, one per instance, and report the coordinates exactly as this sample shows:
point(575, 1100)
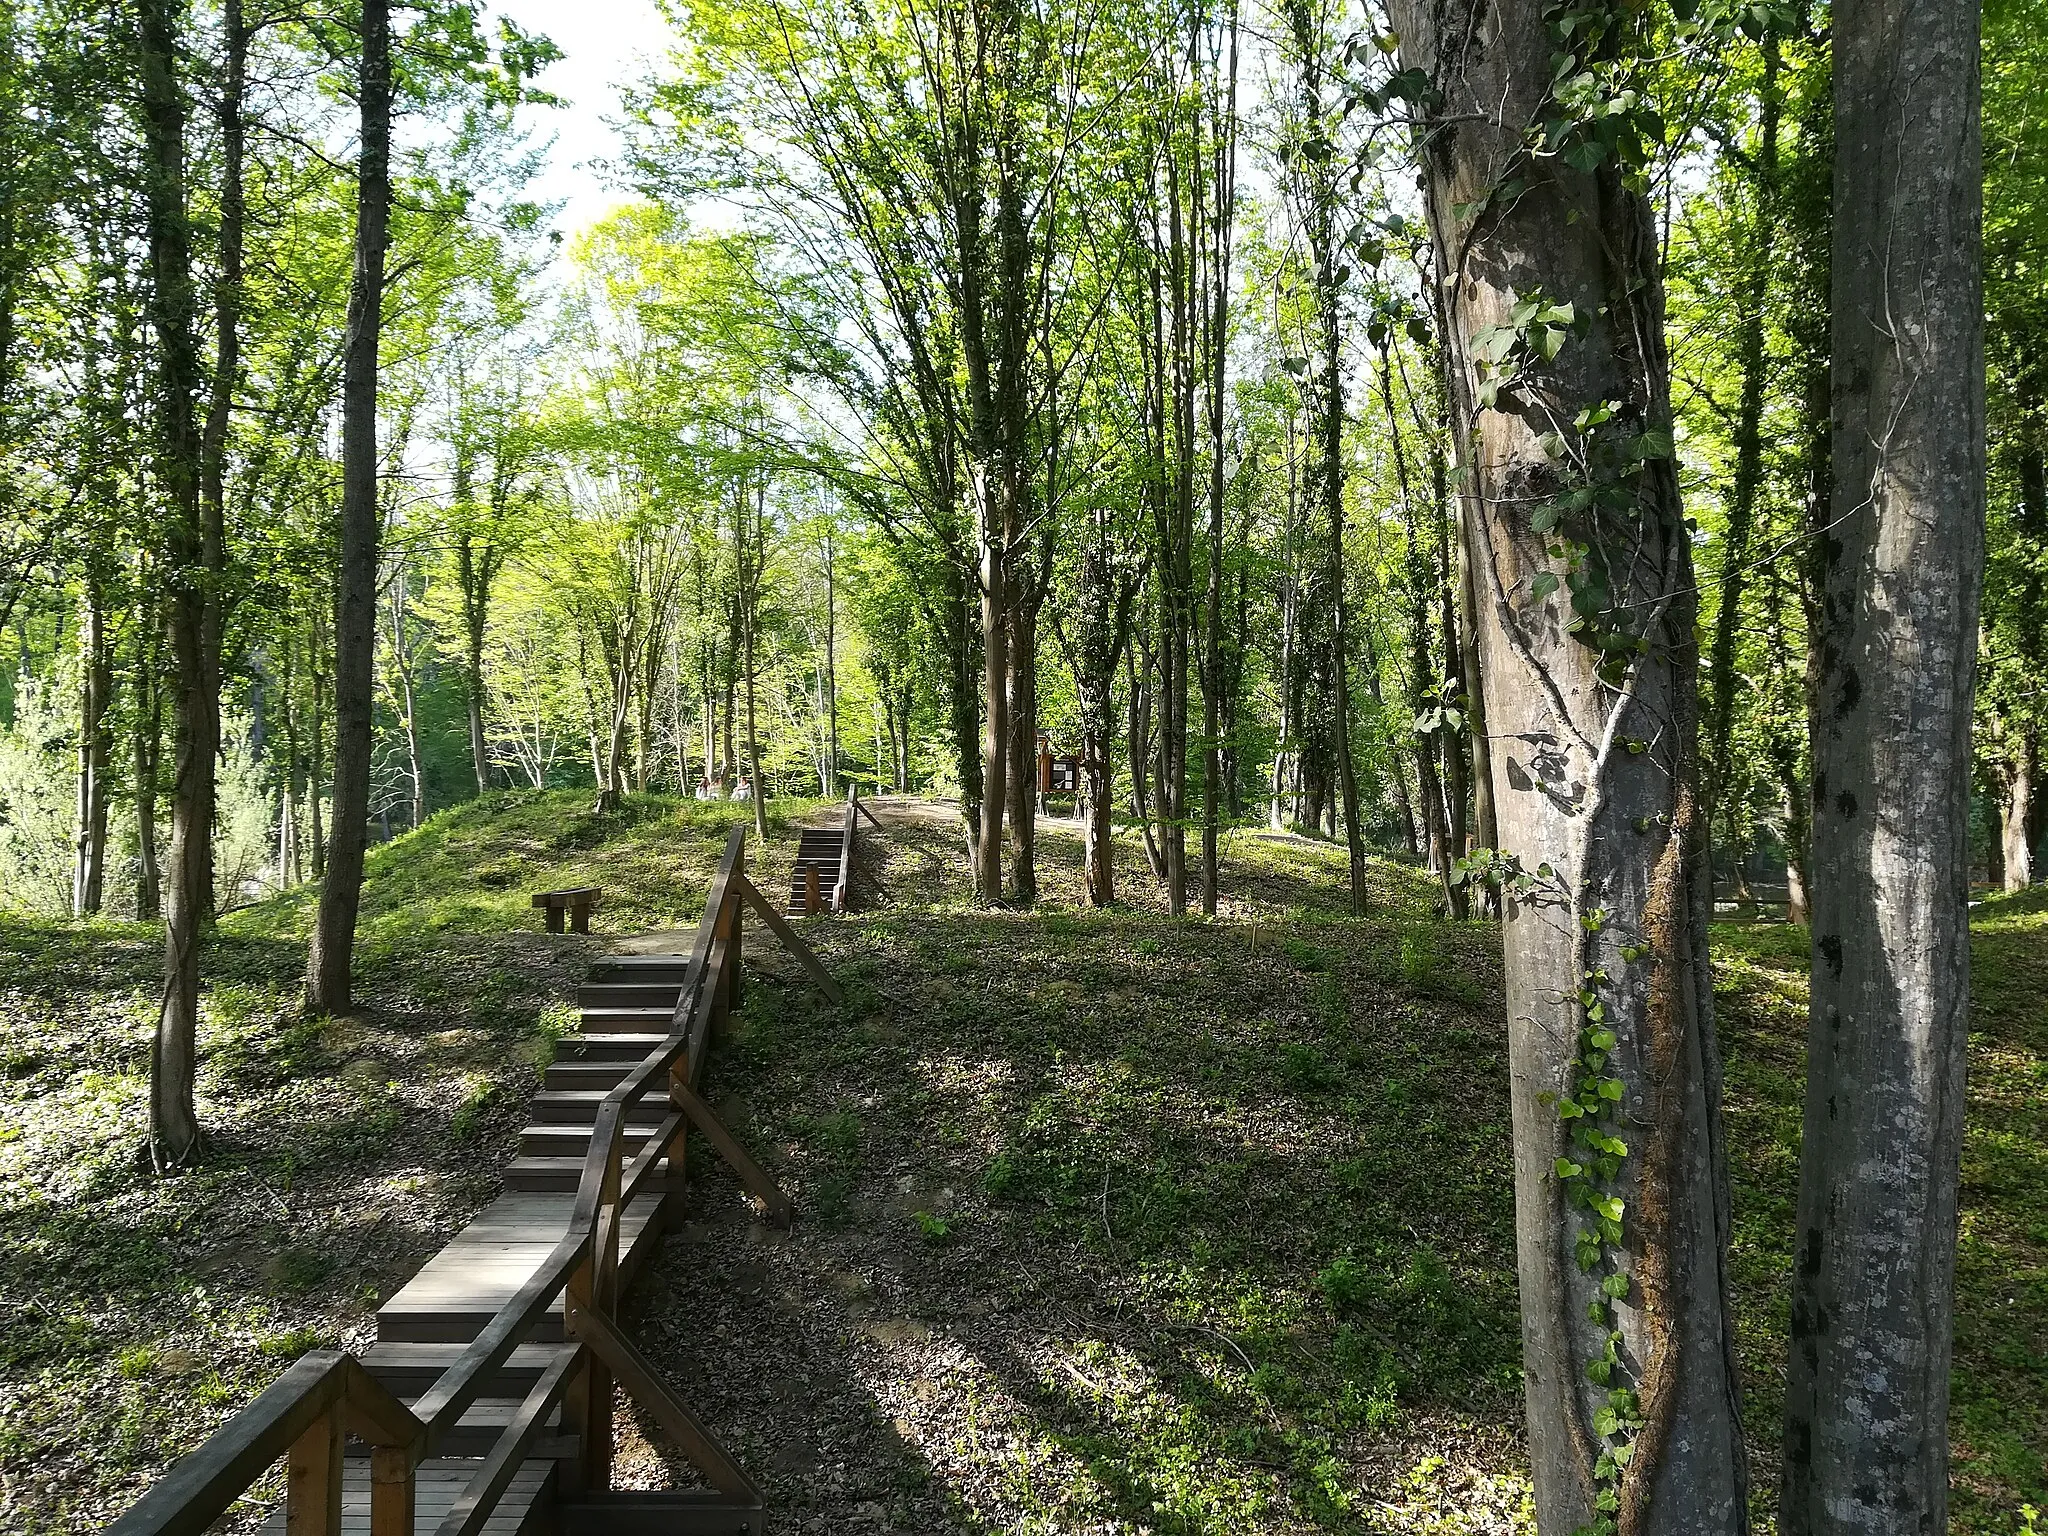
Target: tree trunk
point(95, 753)
point(1139, 741)
point(148, 750)
point(319, 760)
point(832, 675)
point(1620, 1182)
point(1484, 826)
point(329, 962)
point(1752, 362)
point(194, 605)
point(475, 581)
point(1023, 781)
point(995, 685)
point(1866, 1411)
point(402, 664)
point(2017, 816)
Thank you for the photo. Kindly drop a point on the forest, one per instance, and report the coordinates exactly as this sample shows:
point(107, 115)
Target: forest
point(1588, 452)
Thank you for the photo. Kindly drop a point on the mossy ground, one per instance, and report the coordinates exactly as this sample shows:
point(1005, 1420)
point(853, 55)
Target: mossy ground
point(1110, 1221)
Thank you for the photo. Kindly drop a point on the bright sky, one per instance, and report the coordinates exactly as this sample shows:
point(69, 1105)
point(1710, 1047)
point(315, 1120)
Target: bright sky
point(608, 44)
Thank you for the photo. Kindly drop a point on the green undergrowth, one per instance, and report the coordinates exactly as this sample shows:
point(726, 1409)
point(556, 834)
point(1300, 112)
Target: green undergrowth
point(1134, 1222)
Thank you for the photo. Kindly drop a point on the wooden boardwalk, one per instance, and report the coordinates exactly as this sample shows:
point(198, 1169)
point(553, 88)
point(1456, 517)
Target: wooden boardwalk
point(627, 1006)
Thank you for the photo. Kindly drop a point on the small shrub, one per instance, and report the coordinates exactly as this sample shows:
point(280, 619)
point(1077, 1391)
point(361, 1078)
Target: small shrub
point(935, 1230)
point(292, 1343)
point(469, 1114)
point(1303, 1068)
point(1347, 1285)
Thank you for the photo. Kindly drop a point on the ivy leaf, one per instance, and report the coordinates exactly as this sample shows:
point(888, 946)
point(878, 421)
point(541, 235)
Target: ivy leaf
point(1567, 1169)
point(1615, 1286)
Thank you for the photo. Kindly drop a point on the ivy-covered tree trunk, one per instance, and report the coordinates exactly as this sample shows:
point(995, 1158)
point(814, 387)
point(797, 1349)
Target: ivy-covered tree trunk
point(1554, 306)
point(1901, 563)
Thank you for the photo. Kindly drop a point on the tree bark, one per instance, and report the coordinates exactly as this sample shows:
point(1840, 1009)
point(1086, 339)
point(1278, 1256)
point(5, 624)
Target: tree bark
point(1595, 793)
point(1901, 563)
point(329, 963)
point(194, 571)
point(2016, 815)
point(148, 750)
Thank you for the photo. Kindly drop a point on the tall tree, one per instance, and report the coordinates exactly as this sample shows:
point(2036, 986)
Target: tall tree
point(1549, 265)
point(194, 567)
point(329, 963)
point(1901, 558)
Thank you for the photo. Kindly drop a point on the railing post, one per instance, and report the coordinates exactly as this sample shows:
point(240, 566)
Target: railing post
point(587, 1405)
point(312, 1489)
point(675, 1181)
point(391, 1490)
point(733, 906)
point(811, 902)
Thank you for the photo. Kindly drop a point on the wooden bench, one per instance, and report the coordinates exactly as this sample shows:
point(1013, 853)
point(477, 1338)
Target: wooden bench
point(576, 902)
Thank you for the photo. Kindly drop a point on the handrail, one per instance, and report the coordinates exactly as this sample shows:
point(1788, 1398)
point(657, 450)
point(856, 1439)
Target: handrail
point(307, 1411)
point(303, 1413)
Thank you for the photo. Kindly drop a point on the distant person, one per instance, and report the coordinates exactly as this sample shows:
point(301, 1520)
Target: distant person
point(743, 789)
point(704, 791)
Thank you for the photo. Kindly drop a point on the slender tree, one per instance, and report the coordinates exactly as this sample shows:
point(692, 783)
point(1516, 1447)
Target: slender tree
point(329, 964)
point(1901, 558)
point(1550, 288)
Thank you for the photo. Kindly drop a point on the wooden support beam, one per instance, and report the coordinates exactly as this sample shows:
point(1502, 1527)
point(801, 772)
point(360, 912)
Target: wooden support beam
point(391, 1491)
point(776, 1206)
point(779, 926)
point(476, 1503)
point(638, 1377)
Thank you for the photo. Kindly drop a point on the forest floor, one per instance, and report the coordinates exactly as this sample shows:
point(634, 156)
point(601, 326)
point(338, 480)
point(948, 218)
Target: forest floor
point(1110, 1222)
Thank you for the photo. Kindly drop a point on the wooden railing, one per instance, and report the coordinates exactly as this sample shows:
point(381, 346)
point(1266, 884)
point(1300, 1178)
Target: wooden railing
point(305, 1413)
point(842, 890)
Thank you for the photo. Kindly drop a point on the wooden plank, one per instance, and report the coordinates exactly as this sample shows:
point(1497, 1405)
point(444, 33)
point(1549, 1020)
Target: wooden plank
point(778, 1206)
point(525, 1509)
point(312, 1489)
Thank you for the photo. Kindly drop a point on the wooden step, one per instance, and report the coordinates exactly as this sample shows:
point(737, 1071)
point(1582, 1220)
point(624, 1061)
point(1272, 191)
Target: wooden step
point(628, 994)
point(542, 1175)
point(410, 1369)
point(574, 1140)
point(628, 1021)
point(527, 1507)
point(635, 1047)
point(587, 1074)
point(578, 1106)
point(638, 968)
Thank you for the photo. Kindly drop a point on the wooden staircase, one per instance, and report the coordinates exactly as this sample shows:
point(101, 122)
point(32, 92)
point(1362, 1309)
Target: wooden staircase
point(811, 882)
point(627, 1004)
point(485, 1407)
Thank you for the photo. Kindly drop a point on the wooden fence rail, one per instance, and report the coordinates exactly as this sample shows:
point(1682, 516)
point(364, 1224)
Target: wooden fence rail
point(326, 1396)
